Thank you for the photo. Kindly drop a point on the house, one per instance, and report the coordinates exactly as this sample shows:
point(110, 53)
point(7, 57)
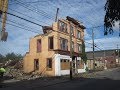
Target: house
point(103, 58)
point(49, 53)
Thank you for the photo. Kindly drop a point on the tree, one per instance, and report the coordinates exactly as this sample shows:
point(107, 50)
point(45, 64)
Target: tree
point(112, 8)
point(84, 57)
point(13, 56)
point(10, 56)
point(1, 58)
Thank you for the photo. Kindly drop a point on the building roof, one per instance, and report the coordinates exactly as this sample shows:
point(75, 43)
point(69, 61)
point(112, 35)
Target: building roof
point(102, 53)
point(76, 22)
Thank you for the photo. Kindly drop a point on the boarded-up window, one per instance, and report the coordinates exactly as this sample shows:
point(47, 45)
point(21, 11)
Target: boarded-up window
point(80, 64)
point(65, 64)
point(49, 63)
point(50, 43)
point(39, 45)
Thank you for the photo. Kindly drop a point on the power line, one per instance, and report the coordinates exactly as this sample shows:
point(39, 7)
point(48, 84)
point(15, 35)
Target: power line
point(35, 1)
point(22, 18)
point(27, 7)
point(94, 45)
point(20, 27)
point(19, 24)
point(24, 4)
point(93, 27)
point(27, 15)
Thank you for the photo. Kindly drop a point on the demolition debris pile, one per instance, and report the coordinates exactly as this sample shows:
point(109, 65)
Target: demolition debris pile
point(14, 70)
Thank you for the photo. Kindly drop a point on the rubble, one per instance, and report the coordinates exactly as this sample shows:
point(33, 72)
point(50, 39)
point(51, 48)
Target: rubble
point(14, 69)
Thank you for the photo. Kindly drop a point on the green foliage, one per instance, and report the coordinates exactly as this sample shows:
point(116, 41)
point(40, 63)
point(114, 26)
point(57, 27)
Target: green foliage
point(10, 56)
point(112, 8)
point(1, 58)
point(84, 57)
point(86, 69)
point(117, 52)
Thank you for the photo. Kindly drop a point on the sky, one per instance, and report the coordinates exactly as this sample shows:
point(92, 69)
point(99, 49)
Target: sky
point(89, 12)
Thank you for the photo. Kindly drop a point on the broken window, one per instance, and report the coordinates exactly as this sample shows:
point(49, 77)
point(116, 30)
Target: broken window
point(62, 26)
point(49, 63)
point(72, 30)
point(39, 45)
point(72, 45)
point(50, 43)
point(63, 44)
point(78, 34)
point(36, 64)
point(0, 14)
point(79, 47)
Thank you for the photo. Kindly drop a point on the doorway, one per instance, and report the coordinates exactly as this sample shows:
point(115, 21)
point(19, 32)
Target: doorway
point(36, 64)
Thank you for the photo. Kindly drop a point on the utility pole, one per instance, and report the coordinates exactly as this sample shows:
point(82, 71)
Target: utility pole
point(71, 55)
point(105, 60)
point(56, 15)
point(118, 52)
point(3, 17)
point(93, 50)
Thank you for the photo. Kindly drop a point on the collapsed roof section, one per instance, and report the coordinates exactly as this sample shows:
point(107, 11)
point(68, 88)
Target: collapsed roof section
point(47, 29)
point(76, 22)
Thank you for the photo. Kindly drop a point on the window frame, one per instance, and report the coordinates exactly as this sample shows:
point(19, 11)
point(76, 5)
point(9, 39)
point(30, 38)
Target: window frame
point(39, 49)
point(73, 46)
point(72, 30)
point(79, 47)
point(63, 46)
point(50, 44)
point(63, 26)
point(78, 34)
point(49, 64)
point(36, 64)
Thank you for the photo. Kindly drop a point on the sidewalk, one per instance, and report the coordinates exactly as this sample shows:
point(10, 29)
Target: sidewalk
point(48, 81)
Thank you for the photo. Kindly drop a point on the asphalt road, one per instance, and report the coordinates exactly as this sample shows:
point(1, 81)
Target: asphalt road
point(105, 80)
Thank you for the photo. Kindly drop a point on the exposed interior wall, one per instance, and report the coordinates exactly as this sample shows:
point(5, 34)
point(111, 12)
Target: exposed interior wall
point(41, 56)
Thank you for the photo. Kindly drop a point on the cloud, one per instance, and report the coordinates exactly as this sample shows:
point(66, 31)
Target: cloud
point(90, 12)
point(116, 27)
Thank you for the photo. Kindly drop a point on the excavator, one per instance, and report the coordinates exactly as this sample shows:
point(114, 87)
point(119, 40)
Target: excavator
point(3, 17)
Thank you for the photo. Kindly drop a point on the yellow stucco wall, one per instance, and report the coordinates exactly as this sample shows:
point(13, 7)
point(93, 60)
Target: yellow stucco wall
point(45, 53)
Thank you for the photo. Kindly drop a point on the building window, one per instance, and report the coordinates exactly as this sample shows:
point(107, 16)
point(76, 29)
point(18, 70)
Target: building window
point(50, 43)
point(78, 34)
point(36, 64)
point(62, 26)
point(79, 47)
point(65, 64)
point(0, 14)
point(72, 45)
point(80, 64)
point(39, 45)
point(63, 44)
point(72, 30)
point(49, 63)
